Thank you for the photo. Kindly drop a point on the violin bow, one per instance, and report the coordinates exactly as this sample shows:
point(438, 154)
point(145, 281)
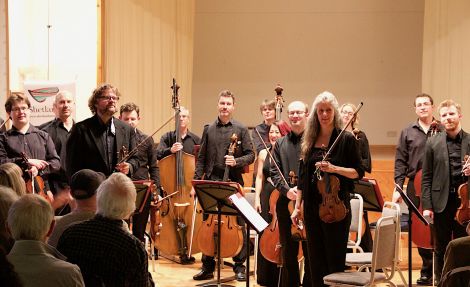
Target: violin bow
point(136, 149)
point(327, 154)
point(4, 123)
point(272, 158)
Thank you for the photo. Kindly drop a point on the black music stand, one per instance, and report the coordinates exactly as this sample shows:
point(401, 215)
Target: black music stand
point(370, 192)
point(411, 208)
point(214, 199)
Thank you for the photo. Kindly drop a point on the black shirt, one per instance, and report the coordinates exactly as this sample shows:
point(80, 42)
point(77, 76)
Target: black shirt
point(36, 144)
point(168, 139)
point(454, 148)
point(214, 146)
point(409, 153)
point(59, 135)
point(263, 130)
point(148, 156)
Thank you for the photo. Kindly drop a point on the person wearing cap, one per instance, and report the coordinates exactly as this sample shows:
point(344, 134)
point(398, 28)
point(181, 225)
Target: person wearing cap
point(83, 186)
point(104, 249)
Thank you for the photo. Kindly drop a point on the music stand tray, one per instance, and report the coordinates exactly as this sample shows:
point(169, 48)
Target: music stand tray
point(370, 192)
point(214, 199)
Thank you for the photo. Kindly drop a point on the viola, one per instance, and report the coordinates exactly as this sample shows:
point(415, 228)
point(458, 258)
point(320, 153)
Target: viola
point(332, 209)
point(34, 184)
point(297, 230)
point(230, 232)
point(463, 212)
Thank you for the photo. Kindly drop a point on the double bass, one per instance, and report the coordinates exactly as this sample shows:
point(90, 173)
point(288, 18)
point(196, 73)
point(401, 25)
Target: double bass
point(179, 214)
point(230, 232)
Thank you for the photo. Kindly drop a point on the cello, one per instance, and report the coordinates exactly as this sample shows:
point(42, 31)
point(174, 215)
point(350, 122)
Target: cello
point(230, 232)
point(179, 214)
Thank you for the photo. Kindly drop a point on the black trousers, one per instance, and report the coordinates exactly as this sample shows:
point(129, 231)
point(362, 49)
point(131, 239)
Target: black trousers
point(446, 229)
point(290, 275)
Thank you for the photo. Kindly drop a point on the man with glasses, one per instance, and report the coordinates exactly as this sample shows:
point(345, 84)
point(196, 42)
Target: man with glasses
point(25, 139)
point(408, 161)
point(96, 142)
point(286, 154)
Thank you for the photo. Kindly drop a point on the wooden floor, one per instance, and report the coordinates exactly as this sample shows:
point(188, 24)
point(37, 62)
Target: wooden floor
point(169, 274)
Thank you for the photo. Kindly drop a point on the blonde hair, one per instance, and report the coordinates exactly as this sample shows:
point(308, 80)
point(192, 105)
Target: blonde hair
point(11, 176)
point(7, 197)
point(312, 129)
point(355, 121)
point(30, 217)
point(449, 103)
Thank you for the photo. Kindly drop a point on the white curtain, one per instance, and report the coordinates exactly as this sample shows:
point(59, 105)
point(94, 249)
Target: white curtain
point(146, 43)
point(446, 52)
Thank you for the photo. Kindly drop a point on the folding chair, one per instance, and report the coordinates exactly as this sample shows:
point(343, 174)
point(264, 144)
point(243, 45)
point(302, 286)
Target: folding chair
point(384, 256)
point(364, 260)
point(357, 210)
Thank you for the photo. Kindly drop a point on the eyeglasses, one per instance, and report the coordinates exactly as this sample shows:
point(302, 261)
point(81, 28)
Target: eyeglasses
point(108, 98)
point(347, 113)
point(292, 113)
point(22, 109)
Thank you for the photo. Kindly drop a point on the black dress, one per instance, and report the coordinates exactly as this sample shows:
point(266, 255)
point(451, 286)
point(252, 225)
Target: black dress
point(327, 242)
point(267, 272)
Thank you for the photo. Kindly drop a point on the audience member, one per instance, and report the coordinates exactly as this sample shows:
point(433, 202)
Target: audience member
point(83, 186)
point(103, 248)
point(11, 175)
point(7, 197)
point(457, 255)
point(30, 221)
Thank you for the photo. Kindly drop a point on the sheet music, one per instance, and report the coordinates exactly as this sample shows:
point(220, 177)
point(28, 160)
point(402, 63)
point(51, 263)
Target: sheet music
point(248, 212)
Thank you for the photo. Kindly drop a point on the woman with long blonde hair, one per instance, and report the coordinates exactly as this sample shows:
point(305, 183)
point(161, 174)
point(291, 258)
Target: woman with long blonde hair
point(326, 239)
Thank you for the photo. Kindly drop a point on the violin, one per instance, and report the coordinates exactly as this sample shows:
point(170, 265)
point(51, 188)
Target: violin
point(297, 230)
point(230, 232)
point(463, 212)
point(34, 184)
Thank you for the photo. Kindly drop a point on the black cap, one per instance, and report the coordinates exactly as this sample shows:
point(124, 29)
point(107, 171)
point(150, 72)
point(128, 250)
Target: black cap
point(84, 183)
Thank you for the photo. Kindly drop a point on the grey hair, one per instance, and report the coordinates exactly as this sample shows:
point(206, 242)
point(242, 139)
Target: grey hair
point(30, 218)
point(312, 129)
point(7, 197)
point(116, 197)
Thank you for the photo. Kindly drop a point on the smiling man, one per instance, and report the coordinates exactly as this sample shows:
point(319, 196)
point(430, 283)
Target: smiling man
point(24, 138)
point(95, 142)
point(443, 173)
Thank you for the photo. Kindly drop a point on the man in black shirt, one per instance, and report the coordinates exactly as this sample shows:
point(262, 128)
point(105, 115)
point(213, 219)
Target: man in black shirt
point(130, 114)
point(408, 161)
point(96, 142)
point(286, 154)
point(24, 138)
point(59, 130)
point(168, 144)
point(211, 162)
point(443, 173)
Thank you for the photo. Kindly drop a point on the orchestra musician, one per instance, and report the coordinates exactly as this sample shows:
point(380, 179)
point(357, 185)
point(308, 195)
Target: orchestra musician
point(211, 162)
point(286, 154)
point(94, 143)
point(25, 138)
point(327, 242)
point(347, 111)
point(443, 173)
point(269, 116)
point(168, 144)
point(59, 130)
point(130, 114)
point(267, 272)
point(408, 161)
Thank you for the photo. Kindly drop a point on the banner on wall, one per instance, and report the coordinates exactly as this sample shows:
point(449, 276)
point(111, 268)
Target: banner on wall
point(42, 94)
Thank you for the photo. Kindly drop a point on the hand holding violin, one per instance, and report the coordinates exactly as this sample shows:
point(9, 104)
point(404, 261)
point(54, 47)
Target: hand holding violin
point(37, 163)
point(292, 193)
point(123, 167)
point(466, 169)
point(326, 166)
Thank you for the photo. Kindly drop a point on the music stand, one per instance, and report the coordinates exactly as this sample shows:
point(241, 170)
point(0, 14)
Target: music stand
point(214, 199)
point(143, 189)
point(370, 192)
point(411, 208)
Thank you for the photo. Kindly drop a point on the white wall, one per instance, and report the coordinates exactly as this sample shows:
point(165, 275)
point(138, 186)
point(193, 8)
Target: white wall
point(367, 50)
